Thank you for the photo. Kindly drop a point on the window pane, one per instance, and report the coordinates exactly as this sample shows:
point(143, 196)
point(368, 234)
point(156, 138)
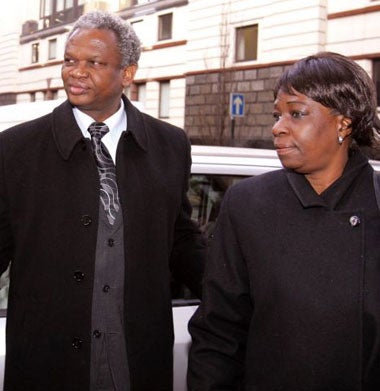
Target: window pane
point(47, 7)
point(138, 26)
point(376, 78)
point(164, 99)
point(246, 43)
point(52, 49)
point(141, 93)
point(205, 195)
point(35, 53)
point(165, 26)
point(60, 5)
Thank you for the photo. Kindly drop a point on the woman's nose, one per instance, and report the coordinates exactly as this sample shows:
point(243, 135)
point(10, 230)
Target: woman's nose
point(279, 127)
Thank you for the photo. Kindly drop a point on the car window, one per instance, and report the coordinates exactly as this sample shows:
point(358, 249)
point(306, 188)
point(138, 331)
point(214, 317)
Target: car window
point(205, 193)
point(4, 288)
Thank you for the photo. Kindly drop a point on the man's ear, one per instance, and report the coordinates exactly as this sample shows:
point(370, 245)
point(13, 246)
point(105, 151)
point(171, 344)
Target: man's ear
point(129, 74)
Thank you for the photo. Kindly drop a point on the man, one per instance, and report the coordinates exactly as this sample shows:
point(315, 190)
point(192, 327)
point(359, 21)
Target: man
point(91, 262)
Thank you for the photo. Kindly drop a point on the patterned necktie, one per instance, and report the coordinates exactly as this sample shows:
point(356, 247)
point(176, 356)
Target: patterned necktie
point(107, 172)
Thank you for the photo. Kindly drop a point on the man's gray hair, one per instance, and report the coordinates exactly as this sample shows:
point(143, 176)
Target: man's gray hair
point(128, 42)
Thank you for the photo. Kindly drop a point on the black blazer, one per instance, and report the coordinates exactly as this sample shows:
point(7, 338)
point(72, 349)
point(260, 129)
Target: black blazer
point(291, 298)
point(49, 202)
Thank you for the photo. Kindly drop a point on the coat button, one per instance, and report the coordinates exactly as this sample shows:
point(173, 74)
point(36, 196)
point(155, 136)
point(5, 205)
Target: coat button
point(106, 288)
point(354, 221)
point(78, 276)
point(86, 220)
point(97, 334)
point(111, 242)
point(77, 343)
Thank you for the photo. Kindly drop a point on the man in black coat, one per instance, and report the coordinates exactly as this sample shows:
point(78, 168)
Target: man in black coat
point(90, 301)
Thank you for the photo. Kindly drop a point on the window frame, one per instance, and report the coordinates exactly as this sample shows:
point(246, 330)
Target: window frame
point(165, 26)
point(164, 99)
point(35, 53)
point(376, 77)
point(242, 35)
point(52, 48)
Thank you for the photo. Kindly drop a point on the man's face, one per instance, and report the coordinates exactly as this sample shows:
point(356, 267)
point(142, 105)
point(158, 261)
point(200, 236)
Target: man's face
point(91, 72)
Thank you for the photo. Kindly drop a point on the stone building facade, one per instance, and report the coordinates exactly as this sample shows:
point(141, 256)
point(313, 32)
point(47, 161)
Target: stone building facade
point(207, 110)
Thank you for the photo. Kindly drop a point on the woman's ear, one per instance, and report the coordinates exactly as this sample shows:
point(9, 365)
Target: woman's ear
point(345, 127)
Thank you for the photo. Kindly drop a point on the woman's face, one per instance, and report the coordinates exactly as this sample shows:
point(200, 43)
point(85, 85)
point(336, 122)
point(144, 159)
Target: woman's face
point(306, 135)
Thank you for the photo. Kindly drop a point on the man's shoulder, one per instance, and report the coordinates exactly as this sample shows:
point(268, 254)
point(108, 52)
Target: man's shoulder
point(27, 126)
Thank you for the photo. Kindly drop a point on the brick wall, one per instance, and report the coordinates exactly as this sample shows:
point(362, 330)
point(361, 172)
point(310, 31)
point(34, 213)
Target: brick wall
point(207, 117)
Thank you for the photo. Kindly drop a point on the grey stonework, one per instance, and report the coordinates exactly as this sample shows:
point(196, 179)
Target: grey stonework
point(207, 118)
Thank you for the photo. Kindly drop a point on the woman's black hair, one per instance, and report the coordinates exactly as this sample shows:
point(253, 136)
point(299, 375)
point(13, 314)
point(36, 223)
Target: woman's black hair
point(340, 84)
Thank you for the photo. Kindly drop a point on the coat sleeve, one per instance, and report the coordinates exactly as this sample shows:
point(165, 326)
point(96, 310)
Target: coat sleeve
point(6, 245)
point(219, 328)
point(188, 254)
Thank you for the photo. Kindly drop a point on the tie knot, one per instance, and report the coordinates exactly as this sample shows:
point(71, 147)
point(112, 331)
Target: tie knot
point(98, 129)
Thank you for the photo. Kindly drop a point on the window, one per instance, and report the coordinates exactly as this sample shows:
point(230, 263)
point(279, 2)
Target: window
point(138, 26)
point(246, 43)
point(59, 12)
point(126, 3)
point(164, 99)
point(165, 26)
point(52, 54)
point(141, 93)
point(376, 78)
point(35, 52)
point(205, 194)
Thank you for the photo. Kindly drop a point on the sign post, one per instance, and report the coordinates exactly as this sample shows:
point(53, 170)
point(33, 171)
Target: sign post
point(237, 105)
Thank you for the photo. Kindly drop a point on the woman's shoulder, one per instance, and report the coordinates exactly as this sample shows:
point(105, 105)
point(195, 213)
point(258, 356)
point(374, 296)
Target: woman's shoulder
point(262, 183)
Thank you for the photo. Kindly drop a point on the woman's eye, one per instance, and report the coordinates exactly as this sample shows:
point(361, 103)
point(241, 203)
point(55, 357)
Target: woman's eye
point(276, 116)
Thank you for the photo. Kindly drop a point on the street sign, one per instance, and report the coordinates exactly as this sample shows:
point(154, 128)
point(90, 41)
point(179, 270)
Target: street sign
point(237, 104)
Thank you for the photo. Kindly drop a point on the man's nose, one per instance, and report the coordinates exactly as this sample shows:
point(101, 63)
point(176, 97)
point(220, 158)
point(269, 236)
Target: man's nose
point(80, 70)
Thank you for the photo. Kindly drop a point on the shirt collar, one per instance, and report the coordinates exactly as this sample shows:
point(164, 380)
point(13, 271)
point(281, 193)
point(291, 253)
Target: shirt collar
point(67, 134)
point(117, 124)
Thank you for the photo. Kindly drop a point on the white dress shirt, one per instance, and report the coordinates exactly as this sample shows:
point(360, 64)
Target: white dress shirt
point(117, 123)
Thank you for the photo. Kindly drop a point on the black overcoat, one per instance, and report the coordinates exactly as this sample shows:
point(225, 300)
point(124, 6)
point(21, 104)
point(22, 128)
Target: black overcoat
point(49, 202)
point(291, 283)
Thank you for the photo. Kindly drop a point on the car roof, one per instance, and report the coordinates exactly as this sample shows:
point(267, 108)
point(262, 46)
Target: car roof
point(233, 160)
point(238, 161)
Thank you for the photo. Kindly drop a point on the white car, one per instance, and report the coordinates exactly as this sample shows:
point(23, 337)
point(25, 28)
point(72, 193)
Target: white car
point(214, 169)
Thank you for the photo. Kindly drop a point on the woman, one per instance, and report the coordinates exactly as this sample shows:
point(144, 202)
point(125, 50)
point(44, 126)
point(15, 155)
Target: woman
point(292, 287)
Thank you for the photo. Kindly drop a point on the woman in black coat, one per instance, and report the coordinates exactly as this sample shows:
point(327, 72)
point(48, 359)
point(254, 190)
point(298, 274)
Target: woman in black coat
point(291, 296)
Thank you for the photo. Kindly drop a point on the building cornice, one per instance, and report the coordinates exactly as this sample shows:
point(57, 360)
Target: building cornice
point(41, 65)
point(354, 12)
point(164, 45)
point(41, 34)
point(149, 8)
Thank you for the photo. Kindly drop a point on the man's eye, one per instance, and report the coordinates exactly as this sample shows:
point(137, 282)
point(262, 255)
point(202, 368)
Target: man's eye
point(97, 64)
point(69, 61)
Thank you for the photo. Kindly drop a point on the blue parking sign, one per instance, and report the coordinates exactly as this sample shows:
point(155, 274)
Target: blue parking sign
point(237, 104)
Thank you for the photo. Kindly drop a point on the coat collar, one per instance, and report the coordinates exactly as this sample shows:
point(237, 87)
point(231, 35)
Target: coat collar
point(67, 134)
point(332, 195)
